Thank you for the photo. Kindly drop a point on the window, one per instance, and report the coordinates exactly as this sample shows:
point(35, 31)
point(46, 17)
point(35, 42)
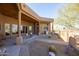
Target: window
point(45, 28)
point(14, 28)
point(24, 29)
point(21, 27)
point(7, 29)
point(30, 28)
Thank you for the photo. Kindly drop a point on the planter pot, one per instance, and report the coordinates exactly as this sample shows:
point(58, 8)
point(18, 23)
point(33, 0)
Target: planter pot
point(51, 54)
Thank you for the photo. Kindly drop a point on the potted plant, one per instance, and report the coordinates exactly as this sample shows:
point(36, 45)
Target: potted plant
point(52, 50)
point(49, 36)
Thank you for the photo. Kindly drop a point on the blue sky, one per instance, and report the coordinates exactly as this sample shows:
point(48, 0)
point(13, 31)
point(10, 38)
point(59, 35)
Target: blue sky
point(46, 9)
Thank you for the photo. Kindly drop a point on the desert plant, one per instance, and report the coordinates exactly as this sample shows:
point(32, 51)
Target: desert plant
point(52, 49)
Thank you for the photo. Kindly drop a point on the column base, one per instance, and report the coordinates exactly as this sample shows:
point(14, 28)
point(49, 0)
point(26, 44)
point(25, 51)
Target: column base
point(19, 40)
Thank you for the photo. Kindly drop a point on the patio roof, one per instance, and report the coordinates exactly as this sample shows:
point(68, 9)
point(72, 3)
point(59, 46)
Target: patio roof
point(29, 11)
point(11, 10)
point(46, 20)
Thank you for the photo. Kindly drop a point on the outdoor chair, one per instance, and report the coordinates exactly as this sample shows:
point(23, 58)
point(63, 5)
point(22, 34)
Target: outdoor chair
point(3, 52)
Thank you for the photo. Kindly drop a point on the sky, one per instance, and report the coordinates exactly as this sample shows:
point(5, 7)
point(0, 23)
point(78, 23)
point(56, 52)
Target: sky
point(49, 10)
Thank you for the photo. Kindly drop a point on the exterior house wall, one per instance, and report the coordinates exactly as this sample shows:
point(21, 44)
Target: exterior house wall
point(23, 13)
point(44, 25)
point(46, 22)
point(10, 20)
point(50, 27)
point(29, 11)
point(5, 19)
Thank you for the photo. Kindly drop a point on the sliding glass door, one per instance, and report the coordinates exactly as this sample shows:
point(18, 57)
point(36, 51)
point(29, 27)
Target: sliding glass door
point(7, 29)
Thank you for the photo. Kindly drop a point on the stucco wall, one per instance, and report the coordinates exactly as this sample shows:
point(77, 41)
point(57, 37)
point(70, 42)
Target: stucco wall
point(10, 20)
point(42, 25)
point(50, 27)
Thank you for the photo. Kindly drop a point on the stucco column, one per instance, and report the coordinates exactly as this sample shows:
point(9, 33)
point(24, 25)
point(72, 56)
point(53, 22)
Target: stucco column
point(19, 23)
point(3, 28)
point(37, 28)
point(19, 39)
point(50, 27)
point(33, 28)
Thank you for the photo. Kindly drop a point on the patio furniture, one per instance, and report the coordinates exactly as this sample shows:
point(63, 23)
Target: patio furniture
point(3, 52)
point(26, 34)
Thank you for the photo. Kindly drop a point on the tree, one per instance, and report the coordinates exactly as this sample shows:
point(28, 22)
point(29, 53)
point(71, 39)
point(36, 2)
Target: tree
point(69, 16)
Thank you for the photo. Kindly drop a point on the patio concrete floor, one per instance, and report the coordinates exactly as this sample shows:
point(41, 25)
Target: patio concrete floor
point(38, 46)
point(41, 44)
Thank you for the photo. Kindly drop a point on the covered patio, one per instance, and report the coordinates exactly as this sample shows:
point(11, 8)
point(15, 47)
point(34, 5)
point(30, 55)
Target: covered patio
point(16, 23)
